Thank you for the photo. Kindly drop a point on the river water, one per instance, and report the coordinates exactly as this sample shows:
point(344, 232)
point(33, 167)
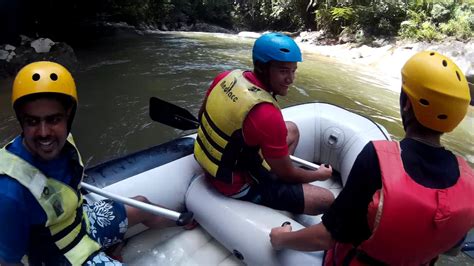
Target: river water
point(117, 76)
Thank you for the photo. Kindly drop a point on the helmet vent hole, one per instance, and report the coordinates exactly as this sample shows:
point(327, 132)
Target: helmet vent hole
point(432, 53)
point(424, 102)
point(445, 63)
point(36, 76)
point(53, 76)
point(442, 117)
point(459, 77)
point(284, 50)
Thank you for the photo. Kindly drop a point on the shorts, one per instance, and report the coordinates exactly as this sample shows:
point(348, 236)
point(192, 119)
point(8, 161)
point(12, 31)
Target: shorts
point(107, 223)
point(268, 191)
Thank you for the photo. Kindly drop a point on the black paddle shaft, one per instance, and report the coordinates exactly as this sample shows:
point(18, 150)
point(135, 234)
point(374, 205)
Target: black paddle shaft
point(172, 115)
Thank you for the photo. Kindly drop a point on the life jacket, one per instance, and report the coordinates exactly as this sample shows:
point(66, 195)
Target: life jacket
point(65, 233)
point(220, 147)
point(411, 224)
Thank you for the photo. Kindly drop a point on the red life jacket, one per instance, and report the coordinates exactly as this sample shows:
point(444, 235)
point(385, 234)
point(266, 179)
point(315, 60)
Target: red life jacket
point(411, 224)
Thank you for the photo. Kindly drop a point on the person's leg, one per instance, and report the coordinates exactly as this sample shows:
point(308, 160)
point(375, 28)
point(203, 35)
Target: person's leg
point(136, 216)
point(270, 192)
point(293, 136)
point(295, 198)
point(107, 221)
point(316, 199)
point(107, 224)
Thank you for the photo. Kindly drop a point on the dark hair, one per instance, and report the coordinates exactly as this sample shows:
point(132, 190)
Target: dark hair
point(403, 98)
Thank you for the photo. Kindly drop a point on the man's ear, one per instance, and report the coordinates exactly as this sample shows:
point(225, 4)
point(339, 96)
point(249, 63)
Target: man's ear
point(69, 111)
point(407, 105)
point(261, 68)
point(257, 67)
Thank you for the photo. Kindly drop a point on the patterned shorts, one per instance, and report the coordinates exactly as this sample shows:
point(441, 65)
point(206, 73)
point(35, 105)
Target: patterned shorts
point(108, 224)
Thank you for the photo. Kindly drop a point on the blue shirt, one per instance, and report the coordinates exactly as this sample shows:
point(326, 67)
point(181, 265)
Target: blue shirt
point(19, 210)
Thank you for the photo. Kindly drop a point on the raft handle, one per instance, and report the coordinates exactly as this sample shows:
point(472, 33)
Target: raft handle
point(238, 255)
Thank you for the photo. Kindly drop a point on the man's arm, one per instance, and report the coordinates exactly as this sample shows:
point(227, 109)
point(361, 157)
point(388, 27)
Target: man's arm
point(264, 127)
point(287, 172)
point(346, 220)
point(13, 232)
point(313, 238)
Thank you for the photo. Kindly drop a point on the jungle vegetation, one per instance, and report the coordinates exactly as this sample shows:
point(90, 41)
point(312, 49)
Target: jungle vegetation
point(419, 20)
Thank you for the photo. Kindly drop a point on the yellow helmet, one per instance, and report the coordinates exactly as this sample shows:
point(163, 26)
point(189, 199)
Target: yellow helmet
point(437, 89)
point(43, 76)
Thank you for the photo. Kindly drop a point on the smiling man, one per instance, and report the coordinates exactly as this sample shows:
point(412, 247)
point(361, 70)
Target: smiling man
point(42, 212)
point(243, 142)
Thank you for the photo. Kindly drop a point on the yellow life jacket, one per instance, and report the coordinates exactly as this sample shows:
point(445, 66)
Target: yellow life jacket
point(220, 148)
point(66, 223)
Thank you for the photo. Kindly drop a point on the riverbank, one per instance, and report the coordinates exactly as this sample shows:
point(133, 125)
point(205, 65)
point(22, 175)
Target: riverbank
point(390, 57)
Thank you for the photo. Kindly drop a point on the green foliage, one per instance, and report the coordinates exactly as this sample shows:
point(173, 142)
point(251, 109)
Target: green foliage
point(128, 11)
point(381, 19)
point(324, 19)
point(336, 19)
point(285, 16)
point(414, 19)
point(409, 28)
point(429, 32)
point(252, 15)
point(441, 12)
point(435, 20)
point(177, 12)
point(217, 12)
point(461, 25)
point(345, 14)
point(262, 15)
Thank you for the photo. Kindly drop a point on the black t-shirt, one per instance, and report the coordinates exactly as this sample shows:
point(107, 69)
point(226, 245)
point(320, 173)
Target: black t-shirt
point(432, 167)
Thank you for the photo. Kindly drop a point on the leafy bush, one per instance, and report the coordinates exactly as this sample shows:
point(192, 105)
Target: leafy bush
point(252, 15)
point(462, 24)
point(429, 32)
point(381, 19)
point(324, 19)
point(409, 29)
point(343, 14)
point(285, 15)
point(441, 12)
point(341, 17)
point(439, 20)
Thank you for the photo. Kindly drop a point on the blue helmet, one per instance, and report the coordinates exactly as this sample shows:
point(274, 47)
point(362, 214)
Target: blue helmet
point(276, 46)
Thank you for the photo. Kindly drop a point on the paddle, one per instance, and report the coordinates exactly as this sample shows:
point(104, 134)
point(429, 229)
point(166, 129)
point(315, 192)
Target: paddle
point(172, 115)
point(180, 118)
point(180, 218)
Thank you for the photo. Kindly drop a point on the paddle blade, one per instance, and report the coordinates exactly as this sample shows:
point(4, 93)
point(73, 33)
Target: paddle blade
point(172, 115)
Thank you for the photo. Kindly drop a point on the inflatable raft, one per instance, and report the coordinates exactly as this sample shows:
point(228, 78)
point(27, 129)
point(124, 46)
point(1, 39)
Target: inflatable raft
point(231, 232)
